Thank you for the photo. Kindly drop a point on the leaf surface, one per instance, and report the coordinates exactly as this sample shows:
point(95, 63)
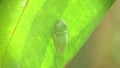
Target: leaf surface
point(26, 28)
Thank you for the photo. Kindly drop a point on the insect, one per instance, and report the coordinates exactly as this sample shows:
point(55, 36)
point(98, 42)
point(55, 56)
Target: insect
point(60, 36)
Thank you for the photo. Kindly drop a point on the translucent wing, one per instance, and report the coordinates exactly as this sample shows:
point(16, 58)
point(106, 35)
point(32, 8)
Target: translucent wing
point(60, 36)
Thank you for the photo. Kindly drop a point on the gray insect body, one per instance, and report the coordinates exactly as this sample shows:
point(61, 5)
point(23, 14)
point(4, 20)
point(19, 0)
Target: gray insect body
point(60, 36)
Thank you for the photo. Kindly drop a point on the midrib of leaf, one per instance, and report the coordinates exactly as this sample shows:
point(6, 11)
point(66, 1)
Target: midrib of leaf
point(11, 51)
point(8, 9)
point(8, 43)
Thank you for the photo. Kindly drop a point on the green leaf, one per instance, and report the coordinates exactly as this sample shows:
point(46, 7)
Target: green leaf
point(26, 30)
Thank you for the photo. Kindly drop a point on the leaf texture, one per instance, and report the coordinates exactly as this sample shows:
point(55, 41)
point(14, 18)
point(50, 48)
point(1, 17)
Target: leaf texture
point(26, 28)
